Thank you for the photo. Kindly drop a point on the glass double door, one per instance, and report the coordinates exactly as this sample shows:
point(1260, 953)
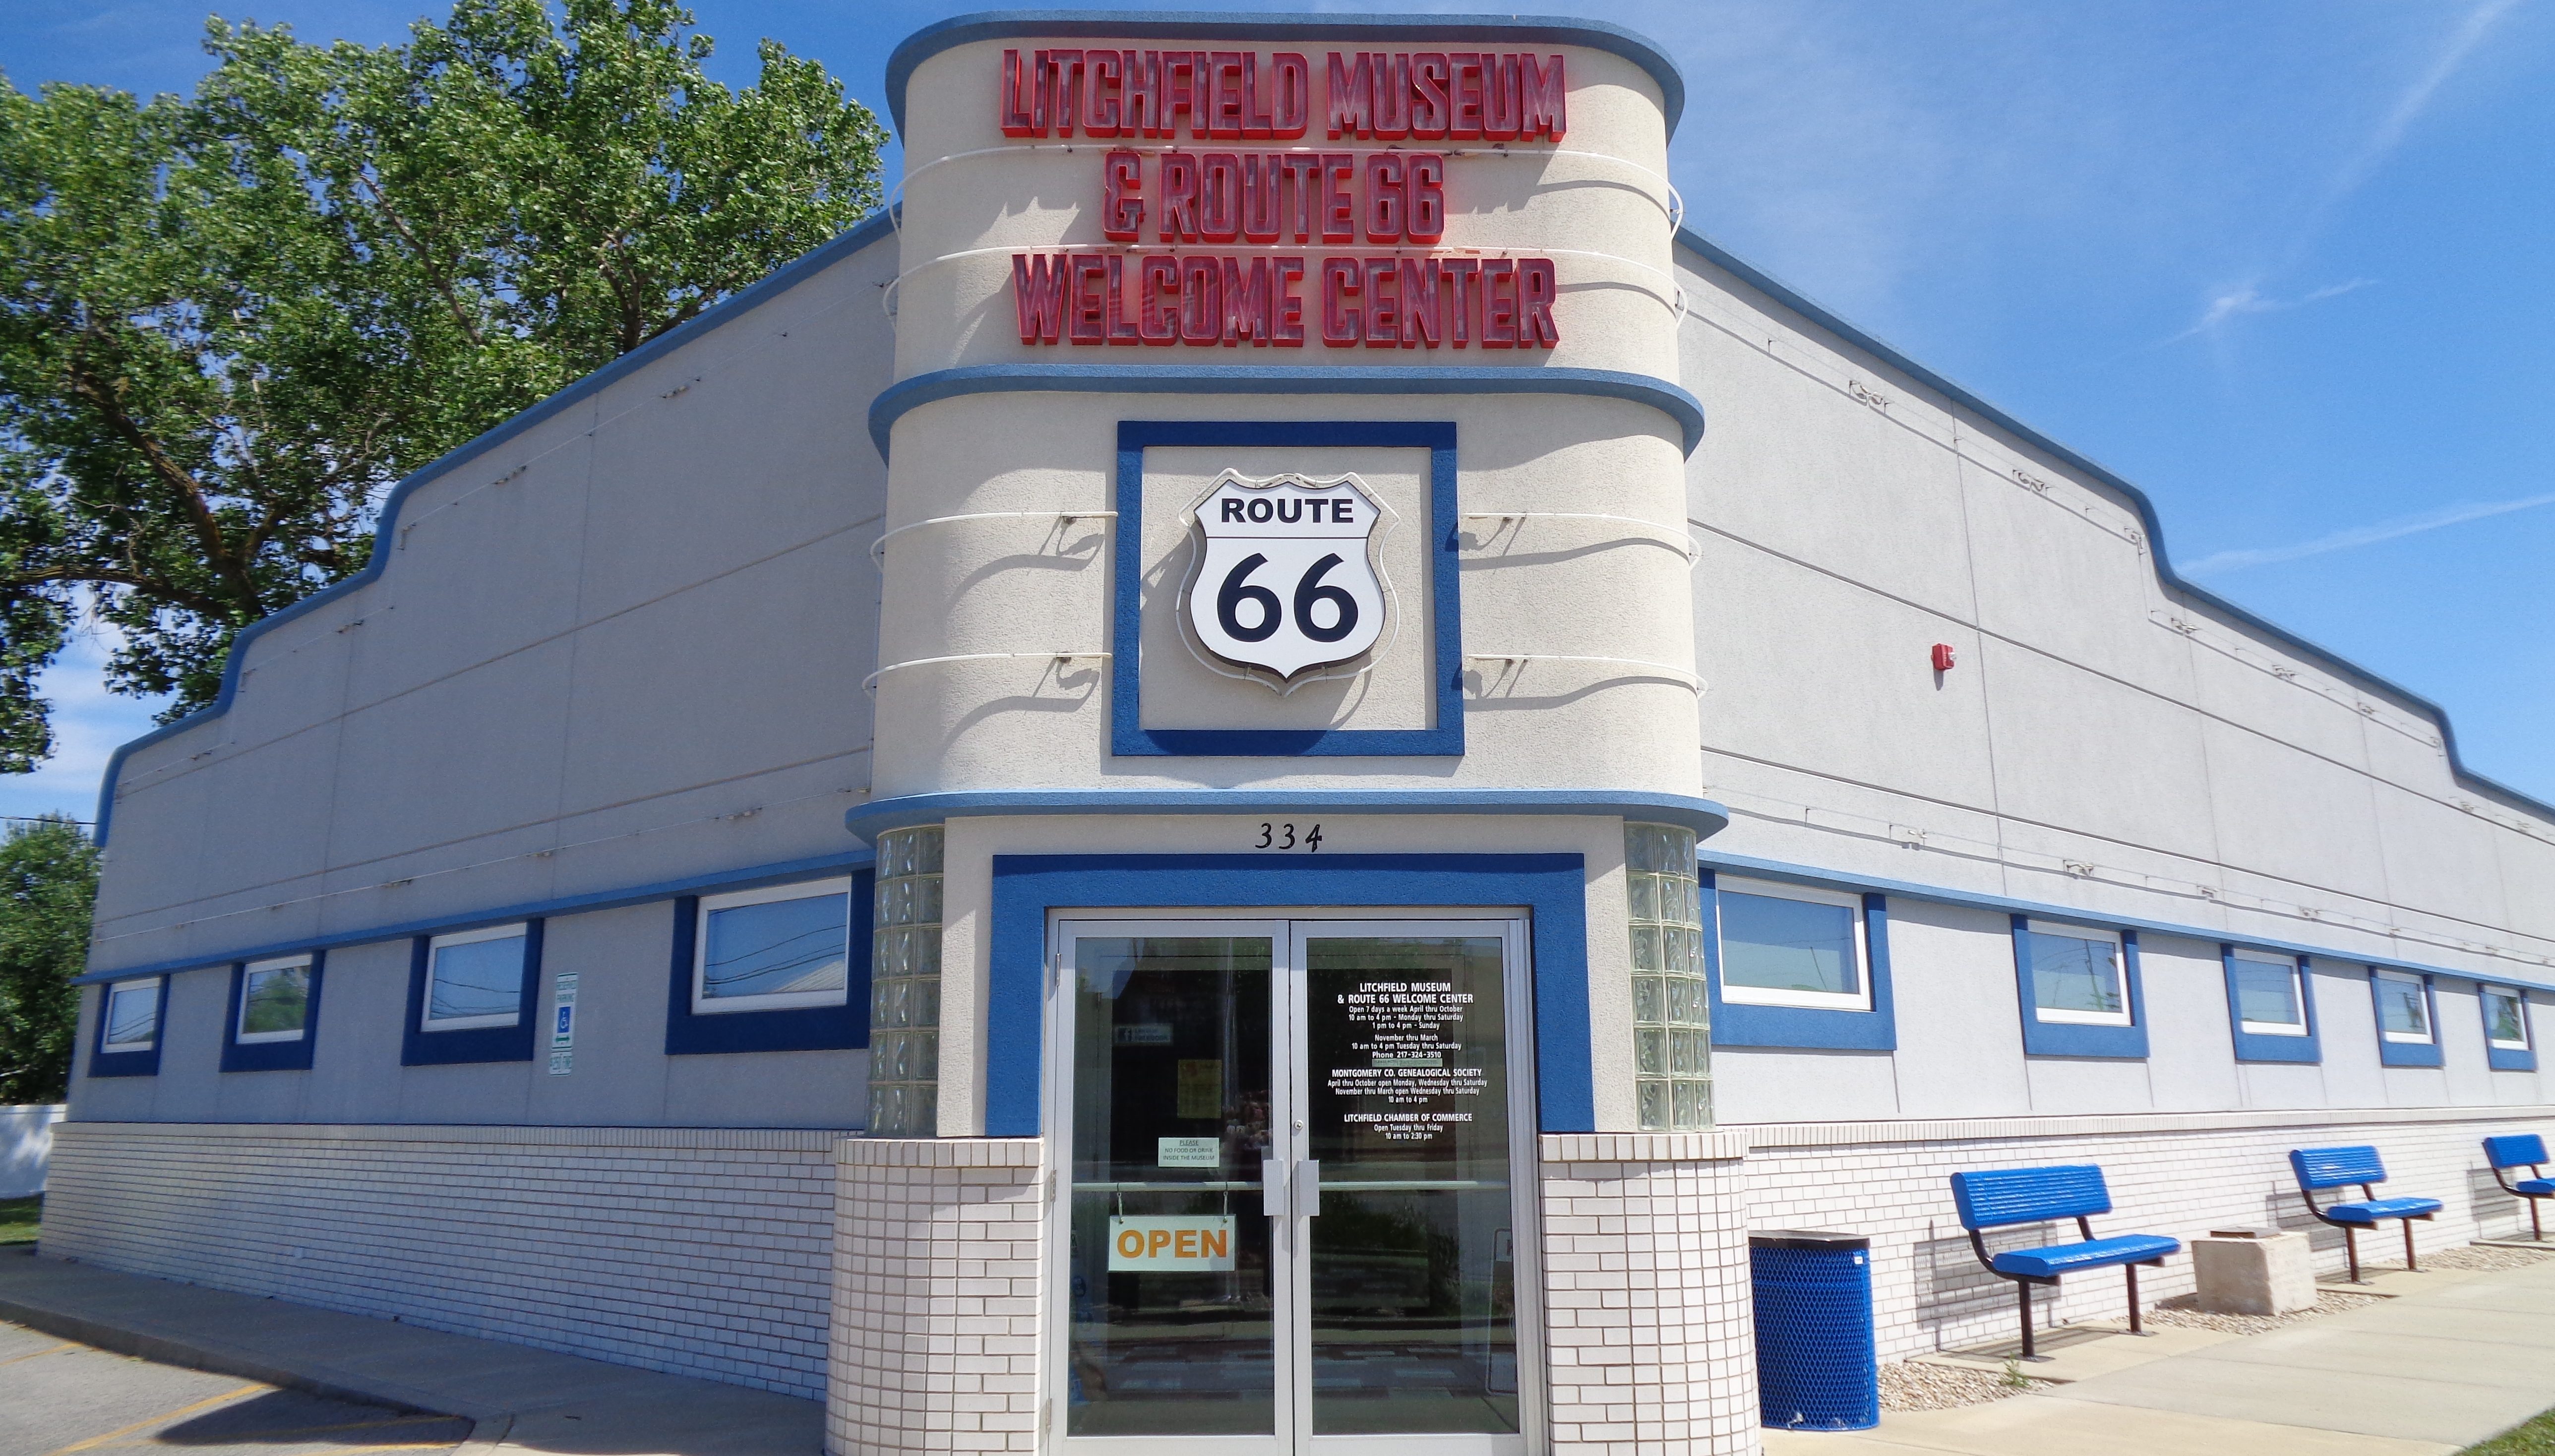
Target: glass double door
point(1288, 1220)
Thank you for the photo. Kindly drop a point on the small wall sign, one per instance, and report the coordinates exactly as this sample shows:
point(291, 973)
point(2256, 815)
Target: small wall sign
point(564, 1023)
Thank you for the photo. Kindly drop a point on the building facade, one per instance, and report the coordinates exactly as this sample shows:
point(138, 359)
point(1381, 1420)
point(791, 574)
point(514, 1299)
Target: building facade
point(1260, 771)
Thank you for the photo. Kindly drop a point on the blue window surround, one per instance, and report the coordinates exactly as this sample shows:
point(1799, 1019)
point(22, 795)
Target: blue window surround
point(2508, 1058)
point(272, 1057)
point(2252, 1046)
point(1744, 1024)
point(420, 1047)
point(2066, 1038)
point(1554, 889)
point(106, 1063)
point(2408, 1053)
point(1128, 735)
point(792, 1029)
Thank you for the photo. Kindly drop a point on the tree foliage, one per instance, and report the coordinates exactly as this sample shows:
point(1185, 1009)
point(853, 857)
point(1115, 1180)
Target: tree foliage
point(48, 880)
point(229, 323)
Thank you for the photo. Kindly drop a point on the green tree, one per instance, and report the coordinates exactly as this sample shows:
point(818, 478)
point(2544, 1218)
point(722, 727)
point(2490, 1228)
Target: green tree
point(229, 323)
point(48, 882)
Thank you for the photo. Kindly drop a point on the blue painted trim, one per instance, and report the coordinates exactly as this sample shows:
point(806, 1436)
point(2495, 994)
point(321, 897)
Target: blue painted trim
point(1128, 735)
point(2505, 1058)
point(1213, 25)
point(875, 227)
point(2048, 911)
point(1554, 889)
point(1816, 313)
point(796, 1028)
point(106, 1063)
point(1743, 1024)
point(877, 816)
point(602, 900)
point(422, 1049)
point(905, 395)
point(2252, 1046)
point(272, 1057)
point(2408, 1053)
point(2064, 1038)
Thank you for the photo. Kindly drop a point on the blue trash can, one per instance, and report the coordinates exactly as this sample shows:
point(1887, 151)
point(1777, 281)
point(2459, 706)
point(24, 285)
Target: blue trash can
point(1816, 1366)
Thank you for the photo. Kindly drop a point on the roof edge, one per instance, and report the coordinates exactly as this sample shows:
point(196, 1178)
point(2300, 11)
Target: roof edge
point(987, 24)
point(861, 234)
point(1799, 303)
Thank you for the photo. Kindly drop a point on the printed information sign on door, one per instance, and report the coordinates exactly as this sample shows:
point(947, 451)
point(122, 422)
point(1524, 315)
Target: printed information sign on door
point(1202, 1244)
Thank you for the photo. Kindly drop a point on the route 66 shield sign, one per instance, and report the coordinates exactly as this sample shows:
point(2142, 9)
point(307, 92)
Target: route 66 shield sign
point(1285, 581)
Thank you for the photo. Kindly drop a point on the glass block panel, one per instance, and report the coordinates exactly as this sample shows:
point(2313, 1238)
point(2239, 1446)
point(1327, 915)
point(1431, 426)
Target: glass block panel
point(1672, 1005)
point(905, 994)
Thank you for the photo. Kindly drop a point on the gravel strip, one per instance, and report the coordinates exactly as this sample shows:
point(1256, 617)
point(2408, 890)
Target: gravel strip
point(2180, 1311)
point(1911, 1386)
point(2479, 1258)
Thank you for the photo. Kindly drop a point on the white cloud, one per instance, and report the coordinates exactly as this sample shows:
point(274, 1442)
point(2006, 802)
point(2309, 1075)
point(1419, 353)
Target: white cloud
point(2416, 98)
point(2248, 299)
point(2217, 562)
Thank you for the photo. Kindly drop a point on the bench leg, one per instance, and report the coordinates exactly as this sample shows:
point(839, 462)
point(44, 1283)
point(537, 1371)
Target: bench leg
point(2022, 1293)
point(2135, 1328)
point(2409, 1265)
point(2351, 1245)
point(2536, 1230)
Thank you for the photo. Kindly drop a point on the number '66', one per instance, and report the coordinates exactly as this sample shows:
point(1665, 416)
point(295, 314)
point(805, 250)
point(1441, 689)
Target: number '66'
point(1310, 593)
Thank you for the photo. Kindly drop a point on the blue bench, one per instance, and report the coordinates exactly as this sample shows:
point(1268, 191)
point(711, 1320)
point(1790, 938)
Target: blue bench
point(2528, 1150)
point(2031, 1195)
point(2319, 1168)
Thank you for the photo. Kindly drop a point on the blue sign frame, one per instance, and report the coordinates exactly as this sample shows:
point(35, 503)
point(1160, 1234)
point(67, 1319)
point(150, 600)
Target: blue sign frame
point(1553, 889)
point(1128, 735)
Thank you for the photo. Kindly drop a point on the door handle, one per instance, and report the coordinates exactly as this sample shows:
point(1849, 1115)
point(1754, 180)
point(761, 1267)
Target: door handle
point(1308, 1187)
point(1273, 1188)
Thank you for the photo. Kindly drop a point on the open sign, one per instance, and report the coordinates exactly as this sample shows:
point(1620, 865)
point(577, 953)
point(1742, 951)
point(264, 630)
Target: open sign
point(1201, 1245)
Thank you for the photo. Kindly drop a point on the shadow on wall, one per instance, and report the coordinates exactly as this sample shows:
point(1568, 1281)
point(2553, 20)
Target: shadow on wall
point(1954, 1289)
point(2497, 1215)
point(26, 1143)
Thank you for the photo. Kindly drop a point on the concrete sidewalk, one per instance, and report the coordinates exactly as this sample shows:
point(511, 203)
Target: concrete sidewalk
point(518, 1398)
point(2426, 1374)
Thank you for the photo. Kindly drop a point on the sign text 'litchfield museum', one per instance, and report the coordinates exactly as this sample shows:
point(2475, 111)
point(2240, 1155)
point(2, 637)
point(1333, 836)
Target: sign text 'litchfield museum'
point(1393, 286)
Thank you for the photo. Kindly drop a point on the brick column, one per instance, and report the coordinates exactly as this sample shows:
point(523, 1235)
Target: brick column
point(936, 1325)
point(1649, 1336)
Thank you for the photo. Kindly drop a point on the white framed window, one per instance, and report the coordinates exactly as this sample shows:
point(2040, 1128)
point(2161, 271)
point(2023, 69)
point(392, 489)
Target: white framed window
point(2270, 995)
point(132, 1016)
point(2078, 976)
point(475, 979)
point(2403, 1008)
point(275, 1001)
point(1792, 945)
point(772, 949)
point(2505, 1017)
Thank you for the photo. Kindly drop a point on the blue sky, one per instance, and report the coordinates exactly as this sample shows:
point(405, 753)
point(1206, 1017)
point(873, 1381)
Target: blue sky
point(2284, 264)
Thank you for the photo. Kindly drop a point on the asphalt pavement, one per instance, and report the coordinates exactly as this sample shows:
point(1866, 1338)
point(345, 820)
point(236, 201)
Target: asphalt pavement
point(61, 1398)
